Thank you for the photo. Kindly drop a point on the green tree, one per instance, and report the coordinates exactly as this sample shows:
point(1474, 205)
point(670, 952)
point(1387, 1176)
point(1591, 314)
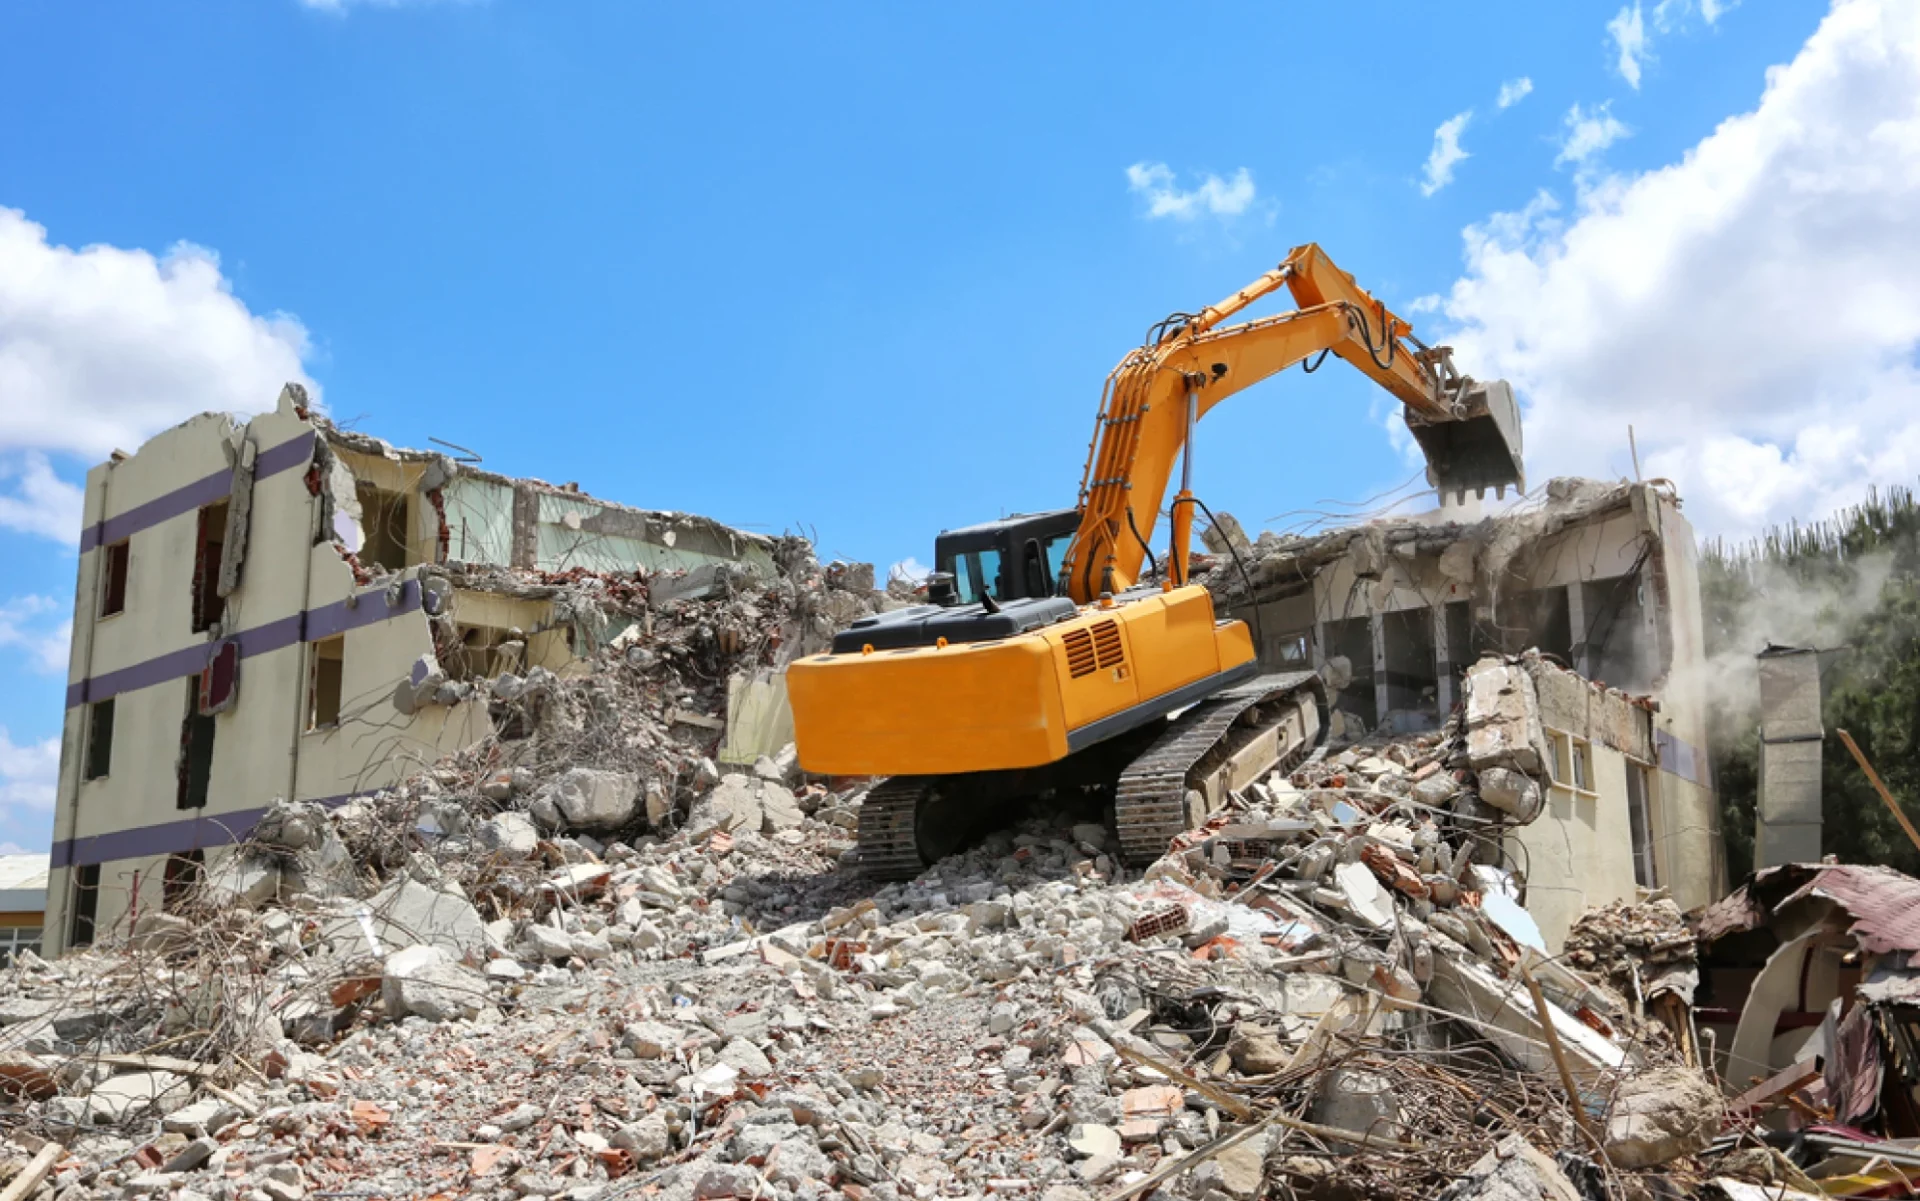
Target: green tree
point(1846, 586)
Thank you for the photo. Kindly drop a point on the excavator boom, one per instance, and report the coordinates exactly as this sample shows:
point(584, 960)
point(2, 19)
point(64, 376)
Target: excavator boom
point(1470, 433)
point(1141, 698)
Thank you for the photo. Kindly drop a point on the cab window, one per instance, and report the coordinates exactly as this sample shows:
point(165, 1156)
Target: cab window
point(1056, 553)
point(975, 574)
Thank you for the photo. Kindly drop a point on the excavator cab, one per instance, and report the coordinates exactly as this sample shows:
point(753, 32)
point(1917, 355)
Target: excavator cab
point(1014, 558)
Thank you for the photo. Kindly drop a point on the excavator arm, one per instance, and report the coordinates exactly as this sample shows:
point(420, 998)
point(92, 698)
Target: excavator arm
point(1191, 362)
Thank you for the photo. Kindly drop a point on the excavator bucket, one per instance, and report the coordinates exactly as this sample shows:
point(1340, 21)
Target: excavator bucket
point(1478, 451)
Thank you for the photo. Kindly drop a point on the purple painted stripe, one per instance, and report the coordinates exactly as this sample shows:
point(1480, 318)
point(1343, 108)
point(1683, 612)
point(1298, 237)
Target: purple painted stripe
point(362, 609)
point(1683, 759)
point(188, 497)
point(168, 838)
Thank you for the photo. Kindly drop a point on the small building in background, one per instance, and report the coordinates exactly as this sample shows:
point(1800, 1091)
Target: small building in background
point(284, 609)
point(23, 904)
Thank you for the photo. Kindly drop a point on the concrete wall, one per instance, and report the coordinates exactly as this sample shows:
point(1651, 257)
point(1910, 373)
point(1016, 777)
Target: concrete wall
point(295, 590)
point(1629, 584)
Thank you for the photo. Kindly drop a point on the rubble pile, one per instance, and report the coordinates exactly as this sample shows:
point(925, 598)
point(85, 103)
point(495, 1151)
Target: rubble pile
point(582, 960)
point(1322, 993)
point(1633, 947)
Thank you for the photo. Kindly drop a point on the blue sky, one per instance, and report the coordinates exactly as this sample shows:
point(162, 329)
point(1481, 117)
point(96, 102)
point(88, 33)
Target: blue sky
point(861, 271)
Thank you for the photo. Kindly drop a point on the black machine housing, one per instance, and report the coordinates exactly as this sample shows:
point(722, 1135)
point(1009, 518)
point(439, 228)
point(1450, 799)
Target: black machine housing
point(1009, 559)
point(992, 580)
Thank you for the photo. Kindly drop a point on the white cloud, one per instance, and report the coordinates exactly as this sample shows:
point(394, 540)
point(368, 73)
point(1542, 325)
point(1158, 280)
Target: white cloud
point(102, 347)
point(1430, 303)
point(28, 772)
point(1668, 14)
point(1514, 91)
point(40, 501)
point(34, 625)
point(1446, 153)
point(910, 569)
point(1212, 196)
point(1628, 29)
point(1751, 309)
point(1588, 132)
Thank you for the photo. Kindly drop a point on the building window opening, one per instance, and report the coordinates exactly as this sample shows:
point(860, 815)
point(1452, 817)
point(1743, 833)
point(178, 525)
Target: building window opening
point(1352, 639)
point(1640, 784)
point(208, 605)
point(1538, 619)
point(1572, 762)
point(384, 524)
point(86, 903)
point(1412, 677)
point(99, 739)
point(113, 587)
point(183, 874)
point(478, 655)
point(1616, 621)
point(196, 752)
point(326, 677)
point(15, 939)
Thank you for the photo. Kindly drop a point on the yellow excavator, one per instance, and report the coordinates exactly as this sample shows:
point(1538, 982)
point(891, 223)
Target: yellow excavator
point(1045, 662)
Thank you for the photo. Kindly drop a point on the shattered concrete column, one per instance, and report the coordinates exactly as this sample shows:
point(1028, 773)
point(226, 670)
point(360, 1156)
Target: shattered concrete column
point(1442, 659)
point(1786, 828)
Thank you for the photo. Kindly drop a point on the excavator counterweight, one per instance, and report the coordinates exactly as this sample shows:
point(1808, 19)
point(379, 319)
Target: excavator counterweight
point(1049, 665)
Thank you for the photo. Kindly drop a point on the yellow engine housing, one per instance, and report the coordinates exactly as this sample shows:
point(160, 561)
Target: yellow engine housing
point(1013, 702)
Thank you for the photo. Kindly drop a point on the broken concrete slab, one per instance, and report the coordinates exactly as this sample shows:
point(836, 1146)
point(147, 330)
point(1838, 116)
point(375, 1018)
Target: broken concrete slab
point(1660, 1115)
point(510, 835)
point(589, 799)
point(426, 982)
point(1514, 1171)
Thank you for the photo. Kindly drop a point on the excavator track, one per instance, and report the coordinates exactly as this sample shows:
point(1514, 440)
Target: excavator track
point(908, 822)
point(889, 843)
point(1159, 792)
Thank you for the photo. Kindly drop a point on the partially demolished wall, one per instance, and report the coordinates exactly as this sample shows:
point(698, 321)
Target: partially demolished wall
point(285, 610)
point(1599, 581)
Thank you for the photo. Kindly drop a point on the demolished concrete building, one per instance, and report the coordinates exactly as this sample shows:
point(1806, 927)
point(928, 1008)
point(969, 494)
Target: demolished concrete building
point(1599, 578)
point(281, 608)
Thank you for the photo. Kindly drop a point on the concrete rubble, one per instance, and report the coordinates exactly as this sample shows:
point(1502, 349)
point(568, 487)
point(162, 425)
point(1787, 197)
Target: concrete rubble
point(588, 962)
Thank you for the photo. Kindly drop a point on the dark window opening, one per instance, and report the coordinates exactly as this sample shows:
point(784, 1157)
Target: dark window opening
point(1537, 619)
point(86, 903)
point(113, 588)
point(208, 605)
point(196, 751)
point(1640, 823)
point(477, 655)
point(1615, 633)
point(1352, 639)
point(1412, 677)
point(99, 739)
point(324, 682)
point(182, 877)
point(383, 527)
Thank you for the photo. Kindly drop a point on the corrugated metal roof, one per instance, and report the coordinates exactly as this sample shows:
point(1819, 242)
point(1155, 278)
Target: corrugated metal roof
point(1884, 904)
point(23, 871)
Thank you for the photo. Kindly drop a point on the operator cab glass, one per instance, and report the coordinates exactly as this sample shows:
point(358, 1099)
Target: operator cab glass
point(1015, 558)
point(977, 574)
point(1056, 554)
